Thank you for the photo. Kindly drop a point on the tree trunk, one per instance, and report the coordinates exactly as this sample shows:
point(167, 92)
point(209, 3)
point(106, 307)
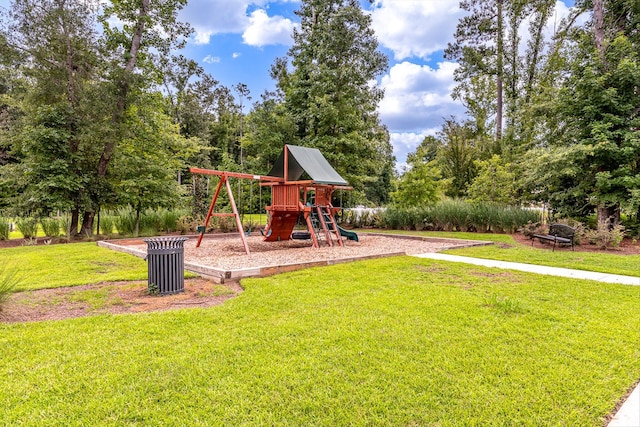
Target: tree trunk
point(499, 66)
point(87, 223)
point(598, 26)
point(137, 230)
point(608, 216)
point(124, 87)
point(73, 226)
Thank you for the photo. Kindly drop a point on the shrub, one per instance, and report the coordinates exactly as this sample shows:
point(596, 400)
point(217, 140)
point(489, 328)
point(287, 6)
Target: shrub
point(5, 227)
point(28, 227)
point(169, 221)
point(188, 224)
point(531, 228)
point(8, 281)
point(50, 227)
point(605, 238)
point(106, 225)
point(125, 222)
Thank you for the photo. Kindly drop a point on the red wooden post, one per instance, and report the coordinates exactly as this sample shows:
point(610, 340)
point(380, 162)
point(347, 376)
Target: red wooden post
point(238, 222)
point(223, 178)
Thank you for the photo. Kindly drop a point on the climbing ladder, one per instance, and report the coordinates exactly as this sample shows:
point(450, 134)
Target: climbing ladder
point(325, 224)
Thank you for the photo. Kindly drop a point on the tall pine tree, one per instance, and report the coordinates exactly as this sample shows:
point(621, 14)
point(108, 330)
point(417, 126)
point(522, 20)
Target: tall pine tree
point(329, 96)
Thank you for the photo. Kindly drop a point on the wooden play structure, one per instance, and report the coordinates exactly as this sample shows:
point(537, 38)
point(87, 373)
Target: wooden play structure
point(302, 184)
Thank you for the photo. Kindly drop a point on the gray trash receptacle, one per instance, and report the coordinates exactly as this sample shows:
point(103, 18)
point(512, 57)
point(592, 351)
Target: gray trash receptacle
point(165, 257)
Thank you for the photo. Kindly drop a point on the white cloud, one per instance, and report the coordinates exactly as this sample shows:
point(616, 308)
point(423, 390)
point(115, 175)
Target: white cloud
point(210, 17)
point(266, 30)
point(211, 59)
point(235, 55)
point(418, 96)
point(406, 142)
point(415, 27)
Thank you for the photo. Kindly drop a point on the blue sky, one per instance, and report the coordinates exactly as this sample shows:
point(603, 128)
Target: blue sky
point(236, 41)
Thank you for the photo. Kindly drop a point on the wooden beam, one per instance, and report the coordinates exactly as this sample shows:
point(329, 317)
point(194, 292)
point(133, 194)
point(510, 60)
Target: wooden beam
point(286, 163)
point(210, 212)
point(236, 175)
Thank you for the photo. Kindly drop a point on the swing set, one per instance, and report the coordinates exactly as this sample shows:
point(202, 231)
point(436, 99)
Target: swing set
point(291, 198)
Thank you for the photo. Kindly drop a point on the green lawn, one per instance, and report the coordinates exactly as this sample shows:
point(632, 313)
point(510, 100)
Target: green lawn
point(400, 341)
point(488, 237)
point(53, 266)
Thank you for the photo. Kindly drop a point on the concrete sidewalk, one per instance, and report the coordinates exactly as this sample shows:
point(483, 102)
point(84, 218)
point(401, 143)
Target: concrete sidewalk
point(538, 269)
point(629, 413)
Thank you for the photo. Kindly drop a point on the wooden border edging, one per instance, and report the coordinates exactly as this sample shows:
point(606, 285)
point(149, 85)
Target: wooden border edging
point(220, 275)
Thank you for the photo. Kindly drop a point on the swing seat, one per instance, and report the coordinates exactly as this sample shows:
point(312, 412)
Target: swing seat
point(301, 235)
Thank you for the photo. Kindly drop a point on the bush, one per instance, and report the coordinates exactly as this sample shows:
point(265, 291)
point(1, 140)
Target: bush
point(125, 222)
point(169, 221)
point(187, 224)
point(5, 227)
point(531, 228)
point(28, 227)
point(106, 225)
point(8, 281)
point(50, 227)
point(605, 238)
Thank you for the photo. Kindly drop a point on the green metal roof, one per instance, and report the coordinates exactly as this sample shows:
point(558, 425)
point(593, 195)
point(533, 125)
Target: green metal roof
point(307, 160)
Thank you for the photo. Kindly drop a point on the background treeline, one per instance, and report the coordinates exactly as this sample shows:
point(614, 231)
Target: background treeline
point(553, 112)
point(100, 111)
point(102, 116)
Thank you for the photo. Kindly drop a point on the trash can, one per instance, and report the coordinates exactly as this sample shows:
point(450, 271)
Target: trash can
point(165, 257)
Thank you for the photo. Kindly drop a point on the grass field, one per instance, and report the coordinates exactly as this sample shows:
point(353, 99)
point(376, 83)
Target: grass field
point(401, 341)
point(53, 266)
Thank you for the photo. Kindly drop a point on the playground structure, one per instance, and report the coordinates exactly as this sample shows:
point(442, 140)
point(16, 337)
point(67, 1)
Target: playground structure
point(291, 198)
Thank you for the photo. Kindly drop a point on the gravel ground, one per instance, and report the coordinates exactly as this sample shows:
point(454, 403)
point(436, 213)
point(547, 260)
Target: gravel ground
point(227, 253)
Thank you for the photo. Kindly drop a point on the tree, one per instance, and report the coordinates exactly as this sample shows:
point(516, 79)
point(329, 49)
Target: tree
point(456, 157)
point(57, 42)
point(132, 55)
point(418, 186)
point(598, 101)
point(494, 182)
point(328, 94)
point(147, 160)
point(495, 79)
point(84, 87)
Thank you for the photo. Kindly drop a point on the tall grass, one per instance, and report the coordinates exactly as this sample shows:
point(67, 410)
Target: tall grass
point(50, 227)
point(152, 222)
point(28, 227)
point(9, 280)
point(107, 223)
point(169, 221)
point(458, 215)
point(5, 226)
point(125, 222)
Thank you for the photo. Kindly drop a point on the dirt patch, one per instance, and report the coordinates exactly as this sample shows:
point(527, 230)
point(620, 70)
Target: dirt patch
point(110, 298)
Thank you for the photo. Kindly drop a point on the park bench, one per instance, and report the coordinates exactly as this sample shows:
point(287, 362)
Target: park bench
point(558, 233)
